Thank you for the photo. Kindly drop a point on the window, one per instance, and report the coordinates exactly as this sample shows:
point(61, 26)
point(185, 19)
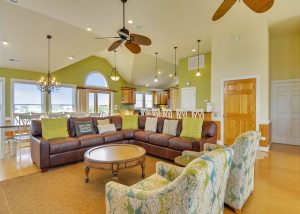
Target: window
point(2, 100)
point(99, 102)
point(63, 100)
point(139, 100)
point(96, 79)
point(26, 97)
point(148, 100)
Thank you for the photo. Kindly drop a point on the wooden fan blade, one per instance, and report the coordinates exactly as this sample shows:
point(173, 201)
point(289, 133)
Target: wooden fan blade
point(259, 6)
point(223, 9)
point(139, 39)
point(115, 45)
point(134, 48)
point(108, 37)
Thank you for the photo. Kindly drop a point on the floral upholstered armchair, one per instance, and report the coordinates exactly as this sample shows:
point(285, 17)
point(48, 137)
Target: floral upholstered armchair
point(241, 177)
point(197, 188)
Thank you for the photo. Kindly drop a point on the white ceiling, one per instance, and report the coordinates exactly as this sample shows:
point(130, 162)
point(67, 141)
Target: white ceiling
point(168, 23)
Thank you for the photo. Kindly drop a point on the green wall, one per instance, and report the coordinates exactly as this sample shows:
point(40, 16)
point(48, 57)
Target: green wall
point(202, 83)
point(72, 74)
point(10, 74)
point(77, 72)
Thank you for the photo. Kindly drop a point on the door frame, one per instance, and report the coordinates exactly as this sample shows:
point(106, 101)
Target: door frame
point(273, 82)
point(257, 111)
point(3, 99)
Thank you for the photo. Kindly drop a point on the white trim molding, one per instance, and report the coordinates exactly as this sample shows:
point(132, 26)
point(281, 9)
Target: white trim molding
point(264, 122)
point(257, 77)
point(2, 79)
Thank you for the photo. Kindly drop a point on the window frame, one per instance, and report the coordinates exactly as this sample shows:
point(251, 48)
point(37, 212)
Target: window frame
point(144, 99)
point(2, 79)
point(148, 93)
point(73, 97)
point(29, 82)
point(95, 86)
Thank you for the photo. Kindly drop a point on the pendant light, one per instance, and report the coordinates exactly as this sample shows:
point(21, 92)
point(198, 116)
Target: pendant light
point(198, 74)
point(155, 79)
point(175, 73)
point(114, 75)
point(49, 84)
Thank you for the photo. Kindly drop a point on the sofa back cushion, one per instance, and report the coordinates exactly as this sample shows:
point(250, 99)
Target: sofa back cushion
point(117, 120)
point(36, 128)
point(209, 129)
point(72, 120)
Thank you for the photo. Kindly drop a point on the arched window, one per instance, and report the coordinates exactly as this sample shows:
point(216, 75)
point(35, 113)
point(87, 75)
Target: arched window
point(96, 79)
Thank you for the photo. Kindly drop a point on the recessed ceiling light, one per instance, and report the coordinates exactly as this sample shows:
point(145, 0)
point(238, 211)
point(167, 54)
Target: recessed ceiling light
point(70, 58)
point(170, 75)
point(130, 21)
point(194, 50)
point(159, 72)
point(5, 43)
point(14, 1)
point(89, 29)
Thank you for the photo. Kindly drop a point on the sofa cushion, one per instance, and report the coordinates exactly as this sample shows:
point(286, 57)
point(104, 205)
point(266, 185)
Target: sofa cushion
point(191, 127)
point(160, 139)
point(95, 121)
point(181, 143)
point(160, 124)
point(142, 135)
point(72, 120)
point(91, 140)
point(110, 137)
point(84, 128)
point(209, 129)
point(117, 120)
point(129, 122)
point(128, 133)
point(64, 144)
point(55, 128)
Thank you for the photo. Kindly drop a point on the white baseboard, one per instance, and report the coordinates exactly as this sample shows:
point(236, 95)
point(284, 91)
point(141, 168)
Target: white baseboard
point(264, 149)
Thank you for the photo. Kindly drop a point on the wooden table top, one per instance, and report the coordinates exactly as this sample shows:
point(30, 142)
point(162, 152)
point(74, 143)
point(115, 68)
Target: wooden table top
point(114, 153)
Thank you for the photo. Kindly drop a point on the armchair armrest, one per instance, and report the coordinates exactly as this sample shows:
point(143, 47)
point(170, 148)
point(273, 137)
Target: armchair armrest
point(210, 146)
point(168, 171)
point(191, 154)
point(40, 152)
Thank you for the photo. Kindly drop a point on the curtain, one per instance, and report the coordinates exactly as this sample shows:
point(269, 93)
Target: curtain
point(82, 100)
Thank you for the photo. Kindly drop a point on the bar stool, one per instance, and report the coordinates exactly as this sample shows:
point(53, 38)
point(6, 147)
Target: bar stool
point(181, 113)
point(198, 113)
point(156, 112)
point(167, 113)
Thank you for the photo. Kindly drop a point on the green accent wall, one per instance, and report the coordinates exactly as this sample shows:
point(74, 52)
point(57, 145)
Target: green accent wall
point(77, 72)
point(202, 83)
point(73, 74)
point(10, 74)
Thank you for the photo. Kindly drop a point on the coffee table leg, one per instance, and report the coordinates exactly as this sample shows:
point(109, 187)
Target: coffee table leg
point(87, 171)
point(143, 165)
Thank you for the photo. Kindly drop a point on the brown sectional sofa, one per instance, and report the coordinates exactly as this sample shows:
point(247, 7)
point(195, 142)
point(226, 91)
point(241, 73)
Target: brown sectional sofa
point(59, 151)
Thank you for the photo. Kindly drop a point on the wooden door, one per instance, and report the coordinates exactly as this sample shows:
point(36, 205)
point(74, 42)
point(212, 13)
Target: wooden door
point(239, 108)
point(286, 112)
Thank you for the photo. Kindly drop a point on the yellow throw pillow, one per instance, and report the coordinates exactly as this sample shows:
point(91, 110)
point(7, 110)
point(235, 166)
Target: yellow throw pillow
point(54, 127)
point(191, 127)
point(130, 122)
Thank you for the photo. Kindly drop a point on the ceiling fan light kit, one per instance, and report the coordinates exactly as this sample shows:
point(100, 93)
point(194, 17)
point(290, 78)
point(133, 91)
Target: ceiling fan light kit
point(131, 41)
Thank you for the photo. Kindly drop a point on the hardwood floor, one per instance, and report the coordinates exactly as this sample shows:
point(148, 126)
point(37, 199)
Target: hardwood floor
point(277, 179)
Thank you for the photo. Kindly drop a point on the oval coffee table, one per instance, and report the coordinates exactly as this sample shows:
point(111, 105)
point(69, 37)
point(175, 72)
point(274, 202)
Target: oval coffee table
point(114, 157)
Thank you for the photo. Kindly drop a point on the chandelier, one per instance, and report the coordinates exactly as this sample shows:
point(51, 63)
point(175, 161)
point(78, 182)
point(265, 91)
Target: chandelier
point(114, 76)
point(49, 84)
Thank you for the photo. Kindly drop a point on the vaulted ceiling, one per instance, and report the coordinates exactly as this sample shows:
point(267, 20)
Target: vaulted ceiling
point(168, 23)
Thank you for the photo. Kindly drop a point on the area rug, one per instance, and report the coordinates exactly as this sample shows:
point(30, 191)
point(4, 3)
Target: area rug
point(63, 190)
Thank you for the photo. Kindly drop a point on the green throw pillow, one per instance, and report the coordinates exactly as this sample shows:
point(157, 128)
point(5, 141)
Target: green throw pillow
point(54, 128)
point(191, 127)
point(130, 122)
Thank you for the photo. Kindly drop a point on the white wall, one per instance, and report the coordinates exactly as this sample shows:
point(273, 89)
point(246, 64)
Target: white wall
point(247, 54)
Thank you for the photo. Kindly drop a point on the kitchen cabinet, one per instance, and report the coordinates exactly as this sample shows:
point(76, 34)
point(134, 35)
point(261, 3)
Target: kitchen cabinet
point(160, 97)
point(128, 95)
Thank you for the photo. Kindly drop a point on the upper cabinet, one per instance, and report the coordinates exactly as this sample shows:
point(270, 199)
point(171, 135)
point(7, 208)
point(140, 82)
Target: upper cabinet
point(160, 97)
point(128, 95)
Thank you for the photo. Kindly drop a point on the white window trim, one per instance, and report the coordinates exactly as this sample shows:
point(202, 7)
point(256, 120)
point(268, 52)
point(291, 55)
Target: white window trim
point(74, 96)
point(143, 93)
point(12, 82)
point(148, 93)
point(94, 86)
point(3, 97)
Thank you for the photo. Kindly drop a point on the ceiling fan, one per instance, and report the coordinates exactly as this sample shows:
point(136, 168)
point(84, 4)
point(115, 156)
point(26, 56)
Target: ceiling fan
point(258, 6)
point(132, 41)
